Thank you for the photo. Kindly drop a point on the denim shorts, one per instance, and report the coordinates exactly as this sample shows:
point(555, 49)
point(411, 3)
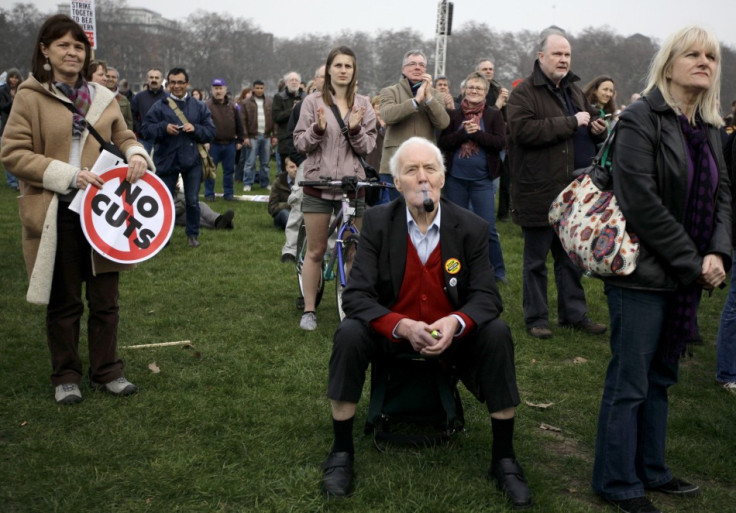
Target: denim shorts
point(315, 205)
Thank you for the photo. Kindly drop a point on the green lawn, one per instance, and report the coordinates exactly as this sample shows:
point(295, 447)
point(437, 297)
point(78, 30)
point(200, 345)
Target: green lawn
point(238, 421)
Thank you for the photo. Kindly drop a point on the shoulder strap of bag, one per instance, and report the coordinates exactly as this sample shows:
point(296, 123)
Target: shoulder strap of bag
point(203, 153)
point(177, 110)
point(344, 129)
point(104, 145)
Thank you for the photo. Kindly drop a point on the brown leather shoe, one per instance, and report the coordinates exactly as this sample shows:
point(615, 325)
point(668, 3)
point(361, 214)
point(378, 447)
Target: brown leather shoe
point(540, 332)
point(586, 326)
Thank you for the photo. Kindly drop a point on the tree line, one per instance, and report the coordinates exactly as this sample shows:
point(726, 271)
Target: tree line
point(210, 44)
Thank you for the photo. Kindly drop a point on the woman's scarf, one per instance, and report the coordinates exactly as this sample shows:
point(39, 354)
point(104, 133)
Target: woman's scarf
point(81, 100)
point(681, 315)
point(472, 113)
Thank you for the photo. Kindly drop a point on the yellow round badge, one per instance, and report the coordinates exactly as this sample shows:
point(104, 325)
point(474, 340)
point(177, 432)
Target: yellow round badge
point(452, 265)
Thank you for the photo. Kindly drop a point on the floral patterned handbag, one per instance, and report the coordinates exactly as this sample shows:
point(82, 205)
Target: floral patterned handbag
point(589, 222)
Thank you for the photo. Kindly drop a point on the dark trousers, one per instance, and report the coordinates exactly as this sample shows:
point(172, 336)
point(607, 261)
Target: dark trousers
point(484, 361)
point(72, 267)
point(192, 179)
point(571, 306)
point(504, 196)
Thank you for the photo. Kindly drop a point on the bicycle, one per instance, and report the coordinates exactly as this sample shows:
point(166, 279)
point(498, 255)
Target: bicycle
point(346, 242)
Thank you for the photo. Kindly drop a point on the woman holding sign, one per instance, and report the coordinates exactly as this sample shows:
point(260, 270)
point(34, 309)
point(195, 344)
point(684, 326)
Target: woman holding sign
point(50, 150)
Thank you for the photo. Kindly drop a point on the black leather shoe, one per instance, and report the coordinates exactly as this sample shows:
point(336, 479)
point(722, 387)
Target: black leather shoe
point(511, 481)
point(225, 220)
point(337, 476)
point(679, 487)
point(635, 505)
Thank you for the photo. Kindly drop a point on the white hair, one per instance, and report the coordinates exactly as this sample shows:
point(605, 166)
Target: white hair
point(394, 163)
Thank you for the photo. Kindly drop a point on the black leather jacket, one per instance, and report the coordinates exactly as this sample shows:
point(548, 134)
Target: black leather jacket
point(652, 195)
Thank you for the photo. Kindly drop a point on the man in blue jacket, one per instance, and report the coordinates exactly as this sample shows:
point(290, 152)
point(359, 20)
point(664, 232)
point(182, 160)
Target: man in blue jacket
point(178, 124)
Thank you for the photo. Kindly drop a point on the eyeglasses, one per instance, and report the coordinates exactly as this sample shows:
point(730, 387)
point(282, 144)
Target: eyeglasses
point(413, 64)
point(475, 88)
point(177, 82)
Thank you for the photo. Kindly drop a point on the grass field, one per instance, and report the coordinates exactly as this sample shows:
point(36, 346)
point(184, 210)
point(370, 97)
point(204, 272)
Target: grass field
point(238, 422)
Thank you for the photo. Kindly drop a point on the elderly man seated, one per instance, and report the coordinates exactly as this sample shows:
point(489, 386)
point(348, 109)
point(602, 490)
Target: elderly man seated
point(422, 278)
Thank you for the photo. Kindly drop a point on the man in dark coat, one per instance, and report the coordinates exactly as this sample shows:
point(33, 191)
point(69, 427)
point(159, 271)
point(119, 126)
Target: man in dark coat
point(422, 281)
point(553, 132)
point(283, 104)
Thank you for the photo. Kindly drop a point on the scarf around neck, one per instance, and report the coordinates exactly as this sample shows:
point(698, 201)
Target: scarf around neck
point(681, 315)
point(81, 99)
point(471, 113)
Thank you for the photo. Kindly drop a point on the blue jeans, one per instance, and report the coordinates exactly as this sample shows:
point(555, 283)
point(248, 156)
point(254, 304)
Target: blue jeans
point(240, 164)
point(726, 352)
point(480, 194)
point(192, 178)
point(11, 180)
point(632, 425)
point(281, 218)
point(224, 153)
point(260, 147)
point(387, 195)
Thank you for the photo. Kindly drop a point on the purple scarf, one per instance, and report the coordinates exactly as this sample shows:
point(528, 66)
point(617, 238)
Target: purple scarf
point(81, 100)
point(680, 318)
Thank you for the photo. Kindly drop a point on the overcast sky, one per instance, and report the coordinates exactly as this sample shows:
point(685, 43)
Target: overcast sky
point(287, 18)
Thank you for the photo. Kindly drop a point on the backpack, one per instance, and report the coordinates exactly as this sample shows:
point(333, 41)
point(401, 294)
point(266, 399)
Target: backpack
point(414, 401)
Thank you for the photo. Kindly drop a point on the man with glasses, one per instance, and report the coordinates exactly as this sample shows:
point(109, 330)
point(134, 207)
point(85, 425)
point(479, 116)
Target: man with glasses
point(176, 142)
point(410, 108)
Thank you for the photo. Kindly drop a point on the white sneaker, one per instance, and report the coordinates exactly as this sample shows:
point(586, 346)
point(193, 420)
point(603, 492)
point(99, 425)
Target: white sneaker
point(120, 386)
point(730, 386)
point(68, 393)
point(309, 321)
point(246, 188)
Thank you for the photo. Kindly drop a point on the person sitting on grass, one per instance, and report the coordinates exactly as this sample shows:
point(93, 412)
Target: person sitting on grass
point(278, 199)
point(422, 281)
point(208, 218)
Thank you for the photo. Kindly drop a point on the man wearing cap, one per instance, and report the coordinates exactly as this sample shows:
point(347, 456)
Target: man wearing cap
point(229, 135)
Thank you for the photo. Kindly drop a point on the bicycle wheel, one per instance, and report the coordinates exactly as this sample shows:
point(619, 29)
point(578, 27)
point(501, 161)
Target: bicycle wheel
point(301, 254)
point(349, 247)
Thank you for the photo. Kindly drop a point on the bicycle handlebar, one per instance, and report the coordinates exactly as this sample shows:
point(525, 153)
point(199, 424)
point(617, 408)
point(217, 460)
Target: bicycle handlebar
point(345, 185)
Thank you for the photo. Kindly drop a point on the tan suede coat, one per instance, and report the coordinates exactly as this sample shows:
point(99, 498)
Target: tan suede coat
point(35, 148)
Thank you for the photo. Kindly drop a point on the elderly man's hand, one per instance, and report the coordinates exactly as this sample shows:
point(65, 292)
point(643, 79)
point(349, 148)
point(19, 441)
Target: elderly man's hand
point(416, 332)
point(423, 93)
point(444, 330)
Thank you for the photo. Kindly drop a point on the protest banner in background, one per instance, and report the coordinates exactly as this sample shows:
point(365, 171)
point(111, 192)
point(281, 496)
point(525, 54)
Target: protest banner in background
point(127, 223)
point(83, 12)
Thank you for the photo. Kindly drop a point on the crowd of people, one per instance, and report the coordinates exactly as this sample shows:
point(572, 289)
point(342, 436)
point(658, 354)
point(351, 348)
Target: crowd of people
point(429, 270)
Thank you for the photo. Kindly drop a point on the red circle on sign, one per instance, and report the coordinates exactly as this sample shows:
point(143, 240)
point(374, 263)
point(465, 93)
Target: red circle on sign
point(118, 241)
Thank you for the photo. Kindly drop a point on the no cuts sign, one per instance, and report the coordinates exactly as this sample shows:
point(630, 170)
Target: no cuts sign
point(125, 222)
